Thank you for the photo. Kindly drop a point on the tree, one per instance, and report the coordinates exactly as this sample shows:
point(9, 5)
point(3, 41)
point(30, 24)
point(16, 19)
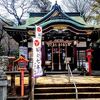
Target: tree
point(82, 6)
point(96, 12)
point(18, 8)
point(7, 44)
point(2, 23)
point(1, 37)
point(1, 50)
point(43, 5)
point(14, 6)
point(10, 45)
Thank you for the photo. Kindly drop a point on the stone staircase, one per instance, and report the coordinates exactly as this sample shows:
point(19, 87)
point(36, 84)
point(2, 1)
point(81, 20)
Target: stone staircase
point(67, 91)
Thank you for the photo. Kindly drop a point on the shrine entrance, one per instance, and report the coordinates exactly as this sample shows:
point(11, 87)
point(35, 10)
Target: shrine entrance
point(57, 52)
point(59, 58)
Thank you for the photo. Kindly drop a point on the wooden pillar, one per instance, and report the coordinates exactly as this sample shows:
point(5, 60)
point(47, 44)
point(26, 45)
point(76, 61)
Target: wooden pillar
point(75, 55)
point(22, 82)
point(66, 54)
point(13, 88)
point(59, 58)
point(31, 84)
point(43, 54)
point(52, 59)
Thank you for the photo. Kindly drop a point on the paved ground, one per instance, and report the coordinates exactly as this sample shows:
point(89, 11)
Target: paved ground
point(73, 99)
point(62, 79)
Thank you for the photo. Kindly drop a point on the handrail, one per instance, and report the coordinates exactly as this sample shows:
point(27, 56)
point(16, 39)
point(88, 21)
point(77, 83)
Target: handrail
point(70, 72)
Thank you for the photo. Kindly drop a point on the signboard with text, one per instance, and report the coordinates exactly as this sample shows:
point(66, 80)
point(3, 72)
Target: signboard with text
point(37, 69)
point(38, 32)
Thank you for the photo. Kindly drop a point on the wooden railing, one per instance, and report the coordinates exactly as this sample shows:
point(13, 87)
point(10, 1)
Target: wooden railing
point(14, 87)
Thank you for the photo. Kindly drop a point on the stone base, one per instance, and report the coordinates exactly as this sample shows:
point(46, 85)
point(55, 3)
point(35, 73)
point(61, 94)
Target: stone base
point(3, 89)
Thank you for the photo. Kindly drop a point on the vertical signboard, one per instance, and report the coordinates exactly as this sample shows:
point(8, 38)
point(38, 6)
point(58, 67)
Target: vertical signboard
point(37, 68)
point(38, 32)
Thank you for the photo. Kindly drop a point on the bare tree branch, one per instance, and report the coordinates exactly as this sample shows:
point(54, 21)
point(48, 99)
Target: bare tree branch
point(82, 6)
point(18, 8)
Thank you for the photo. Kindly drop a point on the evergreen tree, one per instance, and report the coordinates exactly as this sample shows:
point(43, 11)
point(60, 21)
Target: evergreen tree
point(1, 50)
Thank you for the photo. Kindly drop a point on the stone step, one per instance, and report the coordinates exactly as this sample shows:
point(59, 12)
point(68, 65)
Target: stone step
point(65, 89)
point(69, 85)
point(61, 72)
point(72, 99)
point(57, 87)
point(17, 97)
point(67, 95)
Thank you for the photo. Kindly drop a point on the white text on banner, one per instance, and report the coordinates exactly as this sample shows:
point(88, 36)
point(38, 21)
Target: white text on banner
point(37, 69)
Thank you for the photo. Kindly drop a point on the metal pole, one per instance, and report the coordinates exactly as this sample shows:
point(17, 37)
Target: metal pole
point(68, 72)
point(67, 64)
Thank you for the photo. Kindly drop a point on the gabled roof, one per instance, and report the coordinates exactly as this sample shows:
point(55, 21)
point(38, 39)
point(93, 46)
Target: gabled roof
point(54, 16)
point(57, 13)
point(60, 21)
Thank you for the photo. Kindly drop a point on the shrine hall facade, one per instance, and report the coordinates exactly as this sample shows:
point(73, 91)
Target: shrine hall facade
point(66, 36)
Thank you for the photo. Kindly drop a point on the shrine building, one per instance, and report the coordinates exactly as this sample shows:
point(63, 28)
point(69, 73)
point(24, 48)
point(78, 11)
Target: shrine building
point(66, 36)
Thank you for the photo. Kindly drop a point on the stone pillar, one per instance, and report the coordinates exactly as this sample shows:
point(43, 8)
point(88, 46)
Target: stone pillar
point(3, 86)
point(3, 89)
